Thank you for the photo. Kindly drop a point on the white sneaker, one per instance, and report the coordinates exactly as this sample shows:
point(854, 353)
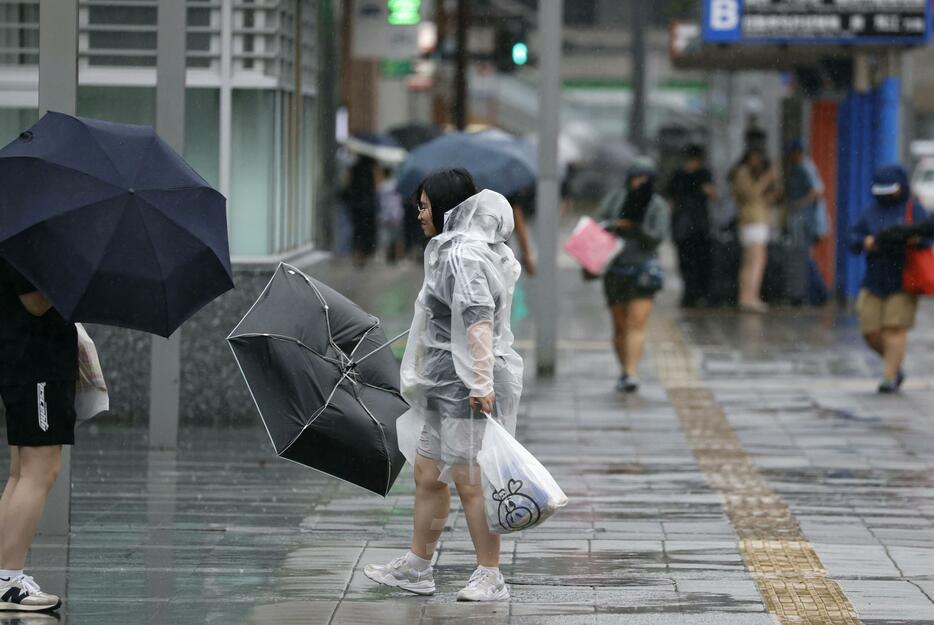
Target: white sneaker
point(484, 585)
point(401, 574)
point(22, 594)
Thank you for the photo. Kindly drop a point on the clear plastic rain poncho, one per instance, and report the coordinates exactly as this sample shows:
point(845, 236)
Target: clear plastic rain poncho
point(460, 343)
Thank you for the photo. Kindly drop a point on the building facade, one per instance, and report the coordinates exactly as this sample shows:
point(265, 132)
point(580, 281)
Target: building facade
point(250, 99)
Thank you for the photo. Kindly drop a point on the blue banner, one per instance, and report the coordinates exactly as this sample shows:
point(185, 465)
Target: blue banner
point(851, 22)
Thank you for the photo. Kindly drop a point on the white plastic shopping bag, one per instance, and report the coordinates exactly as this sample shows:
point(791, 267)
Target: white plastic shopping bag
point(520, 493)
point(91, 396)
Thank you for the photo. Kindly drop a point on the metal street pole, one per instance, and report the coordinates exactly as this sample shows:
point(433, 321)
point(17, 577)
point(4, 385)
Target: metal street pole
point(326, 108)
point(58, 91)
point(460, 71)
point(548, 194)
point(164, 378)
point(638, 23)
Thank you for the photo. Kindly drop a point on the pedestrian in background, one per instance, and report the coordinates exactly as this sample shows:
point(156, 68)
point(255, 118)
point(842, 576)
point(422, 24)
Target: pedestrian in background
point(38, 372)
point(390, 215)
point(690, 190)
point(641, 218)
point(364, 206)
point(805, 220)
point(459, 363)
point(756, 188)
point(886, 311)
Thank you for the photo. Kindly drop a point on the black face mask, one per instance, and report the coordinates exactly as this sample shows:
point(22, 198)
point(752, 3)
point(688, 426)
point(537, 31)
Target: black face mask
point(637, 202)
point(890, 199)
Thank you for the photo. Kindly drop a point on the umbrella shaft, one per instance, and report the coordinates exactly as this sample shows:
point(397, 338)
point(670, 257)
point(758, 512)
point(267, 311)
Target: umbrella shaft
point(386, 344)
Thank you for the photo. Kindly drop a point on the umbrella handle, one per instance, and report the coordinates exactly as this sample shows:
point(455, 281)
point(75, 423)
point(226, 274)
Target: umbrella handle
point(386, 344)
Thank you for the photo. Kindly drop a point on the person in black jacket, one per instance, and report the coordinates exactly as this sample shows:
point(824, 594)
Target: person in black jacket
point(689, 191)
point(38, 370)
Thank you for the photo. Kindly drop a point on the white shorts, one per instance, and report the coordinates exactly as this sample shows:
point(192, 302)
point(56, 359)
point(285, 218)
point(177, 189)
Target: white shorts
point(456, 441)
point(754, 234)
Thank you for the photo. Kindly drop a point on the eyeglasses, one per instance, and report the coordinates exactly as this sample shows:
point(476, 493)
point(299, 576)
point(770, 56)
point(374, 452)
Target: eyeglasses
point(421, 207)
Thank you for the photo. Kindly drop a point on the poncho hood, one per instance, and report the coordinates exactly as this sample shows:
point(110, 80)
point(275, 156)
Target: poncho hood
point(485, 217)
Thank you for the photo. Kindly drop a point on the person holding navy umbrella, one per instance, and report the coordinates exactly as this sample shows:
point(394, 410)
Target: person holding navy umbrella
point(38, 368)
point(103, 223)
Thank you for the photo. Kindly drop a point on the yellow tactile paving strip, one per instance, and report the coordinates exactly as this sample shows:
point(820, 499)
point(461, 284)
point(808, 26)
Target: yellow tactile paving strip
point(794, 586)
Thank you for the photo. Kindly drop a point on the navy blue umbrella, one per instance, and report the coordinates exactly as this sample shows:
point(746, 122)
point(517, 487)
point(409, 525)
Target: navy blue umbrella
point(111, 224)
point(505, 166)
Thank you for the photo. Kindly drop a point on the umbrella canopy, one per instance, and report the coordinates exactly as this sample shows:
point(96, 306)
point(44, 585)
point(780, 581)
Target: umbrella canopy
point(496, 162)
point(325, 389)
point(383, 148)
point(111, 224)
point(412, 135)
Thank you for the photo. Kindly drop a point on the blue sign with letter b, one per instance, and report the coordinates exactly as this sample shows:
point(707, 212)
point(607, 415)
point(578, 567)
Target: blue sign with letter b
point(723, 20)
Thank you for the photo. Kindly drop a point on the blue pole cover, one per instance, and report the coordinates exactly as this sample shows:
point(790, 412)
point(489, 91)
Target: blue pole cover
point(887, 110)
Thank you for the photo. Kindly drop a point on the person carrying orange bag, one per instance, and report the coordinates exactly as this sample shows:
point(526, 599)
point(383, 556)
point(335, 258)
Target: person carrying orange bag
point(886, 310)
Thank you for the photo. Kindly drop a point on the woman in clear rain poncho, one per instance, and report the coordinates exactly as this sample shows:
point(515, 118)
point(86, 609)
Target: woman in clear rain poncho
point(459, 363)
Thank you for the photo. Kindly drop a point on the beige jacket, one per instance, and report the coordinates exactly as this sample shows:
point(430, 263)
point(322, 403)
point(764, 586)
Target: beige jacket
point(754, 196)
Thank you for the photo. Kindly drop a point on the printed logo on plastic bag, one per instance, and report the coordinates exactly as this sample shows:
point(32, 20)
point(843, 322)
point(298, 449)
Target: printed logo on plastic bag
point(517, 510)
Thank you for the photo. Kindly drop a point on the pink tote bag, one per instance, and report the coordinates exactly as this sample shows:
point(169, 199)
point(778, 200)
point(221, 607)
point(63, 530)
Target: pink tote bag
point(592, 246)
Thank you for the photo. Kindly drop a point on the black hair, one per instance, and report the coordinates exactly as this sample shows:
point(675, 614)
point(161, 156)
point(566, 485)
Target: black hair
point(694, 150)
point(445, 189)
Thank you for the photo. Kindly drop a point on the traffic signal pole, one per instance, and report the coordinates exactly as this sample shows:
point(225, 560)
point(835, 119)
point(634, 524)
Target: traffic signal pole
point(638, 24)
point(460, 71)
point(548, 194)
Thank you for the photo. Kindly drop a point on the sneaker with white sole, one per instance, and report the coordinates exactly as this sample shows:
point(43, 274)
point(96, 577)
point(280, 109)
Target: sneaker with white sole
point(22, 594)
point(484, 585)
point(401, 574)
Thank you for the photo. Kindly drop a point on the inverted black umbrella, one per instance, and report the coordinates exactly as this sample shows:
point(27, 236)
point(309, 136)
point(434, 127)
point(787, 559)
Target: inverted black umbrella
point(325, 387)
point(111, 224)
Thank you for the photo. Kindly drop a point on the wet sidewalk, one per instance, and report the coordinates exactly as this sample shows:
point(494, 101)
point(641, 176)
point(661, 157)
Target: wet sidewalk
point(757, 478)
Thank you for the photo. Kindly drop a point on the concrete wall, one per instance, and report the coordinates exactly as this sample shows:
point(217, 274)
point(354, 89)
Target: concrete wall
point(212, 389)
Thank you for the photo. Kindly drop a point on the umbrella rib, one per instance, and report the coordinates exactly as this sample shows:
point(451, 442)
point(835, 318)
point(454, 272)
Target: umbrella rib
point(382, 436)
point(258, 299)
point(165, 293)
point(317, 413)
point(120, 190)
point(327, 318)
point(169, 217)
point(282, 337)
point(99, 260)
point(253, 397)
point(384, 345)
point(92, 137)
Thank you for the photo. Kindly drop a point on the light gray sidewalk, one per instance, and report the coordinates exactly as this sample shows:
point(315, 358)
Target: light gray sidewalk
point(223, 532)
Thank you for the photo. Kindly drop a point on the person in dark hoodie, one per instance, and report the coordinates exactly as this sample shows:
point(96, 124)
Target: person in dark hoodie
point(886, 312)
point(640, 217)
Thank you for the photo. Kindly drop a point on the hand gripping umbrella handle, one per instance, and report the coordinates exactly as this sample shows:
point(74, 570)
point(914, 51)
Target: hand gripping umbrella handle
point(386, 344)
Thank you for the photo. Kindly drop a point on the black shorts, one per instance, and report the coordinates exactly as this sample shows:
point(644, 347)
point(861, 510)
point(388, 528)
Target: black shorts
point(38, 415)
point(621, 289)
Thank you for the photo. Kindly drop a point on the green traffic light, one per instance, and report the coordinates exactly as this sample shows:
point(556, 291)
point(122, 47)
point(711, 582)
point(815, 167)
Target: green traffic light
point(520, 53)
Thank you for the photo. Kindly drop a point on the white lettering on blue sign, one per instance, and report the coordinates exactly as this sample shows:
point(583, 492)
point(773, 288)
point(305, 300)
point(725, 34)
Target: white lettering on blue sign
point(724, 14)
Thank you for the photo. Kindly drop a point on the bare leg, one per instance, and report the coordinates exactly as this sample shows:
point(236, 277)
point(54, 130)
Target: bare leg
point(619, 313)
point(895, 341)
point(636, 322)
point(7, 495)
point(38, 470)
point(485, 542)
point(750, 276)
point(874, 341)
point(432, 503)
